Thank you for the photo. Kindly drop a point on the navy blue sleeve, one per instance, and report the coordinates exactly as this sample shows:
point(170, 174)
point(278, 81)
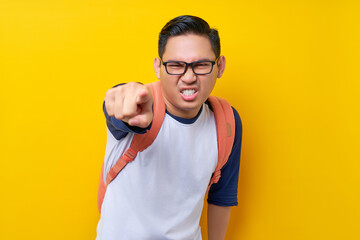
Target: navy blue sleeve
point(120, 129)
point(224, 192)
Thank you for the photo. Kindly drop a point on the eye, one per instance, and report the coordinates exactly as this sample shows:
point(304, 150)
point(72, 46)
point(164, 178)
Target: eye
point(202, 64)
point(175, 65)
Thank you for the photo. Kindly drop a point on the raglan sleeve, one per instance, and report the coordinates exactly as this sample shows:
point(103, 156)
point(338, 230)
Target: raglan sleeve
point(224, 192)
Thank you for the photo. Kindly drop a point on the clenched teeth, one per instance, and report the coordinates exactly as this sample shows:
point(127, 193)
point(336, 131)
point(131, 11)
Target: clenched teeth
point(188, 92)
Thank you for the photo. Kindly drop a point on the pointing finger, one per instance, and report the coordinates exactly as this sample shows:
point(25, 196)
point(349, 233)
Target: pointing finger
point(143, 96)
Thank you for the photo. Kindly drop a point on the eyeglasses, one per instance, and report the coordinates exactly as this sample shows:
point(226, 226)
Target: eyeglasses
point(198, 67)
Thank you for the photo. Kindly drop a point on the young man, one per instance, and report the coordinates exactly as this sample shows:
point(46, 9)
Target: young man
point(160, 194)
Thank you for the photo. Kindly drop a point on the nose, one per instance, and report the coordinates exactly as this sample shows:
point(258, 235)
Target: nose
point(189, 76)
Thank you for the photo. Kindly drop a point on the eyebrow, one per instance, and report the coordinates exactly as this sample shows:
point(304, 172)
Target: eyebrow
point(202, 59)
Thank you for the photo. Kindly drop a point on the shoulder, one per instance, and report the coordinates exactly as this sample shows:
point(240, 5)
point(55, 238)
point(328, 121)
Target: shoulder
point(238, 123)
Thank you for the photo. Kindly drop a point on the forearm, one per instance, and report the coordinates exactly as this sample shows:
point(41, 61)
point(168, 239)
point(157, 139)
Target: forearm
point(218, 219)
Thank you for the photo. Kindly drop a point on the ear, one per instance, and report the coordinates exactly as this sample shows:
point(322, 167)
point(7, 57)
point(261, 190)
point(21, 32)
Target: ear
point(221, 66)
point(157, 66)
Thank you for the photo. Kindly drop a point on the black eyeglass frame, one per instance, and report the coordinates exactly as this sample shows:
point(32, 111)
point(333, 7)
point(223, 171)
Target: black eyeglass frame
point(189, 64)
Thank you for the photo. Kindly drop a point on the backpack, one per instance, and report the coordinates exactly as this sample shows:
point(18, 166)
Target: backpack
point(225, 128)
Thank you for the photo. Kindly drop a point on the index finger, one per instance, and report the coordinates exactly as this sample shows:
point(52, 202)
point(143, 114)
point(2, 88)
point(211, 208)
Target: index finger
point(144, 96)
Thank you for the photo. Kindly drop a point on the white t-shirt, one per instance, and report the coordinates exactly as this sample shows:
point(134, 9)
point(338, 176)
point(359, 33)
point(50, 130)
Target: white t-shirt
point(160, 194)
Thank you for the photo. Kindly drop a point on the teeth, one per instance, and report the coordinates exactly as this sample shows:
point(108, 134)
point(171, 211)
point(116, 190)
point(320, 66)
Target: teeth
point(188, 92)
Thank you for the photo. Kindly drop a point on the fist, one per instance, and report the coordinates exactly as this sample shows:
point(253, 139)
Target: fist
point(131, 103)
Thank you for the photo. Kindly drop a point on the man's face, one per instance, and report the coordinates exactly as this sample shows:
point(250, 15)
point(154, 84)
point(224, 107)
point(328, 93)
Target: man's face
point(187, 48)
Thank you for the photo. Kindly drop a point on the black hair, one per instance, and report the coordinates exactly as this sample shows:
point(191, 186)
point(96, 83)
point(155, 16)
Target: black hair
point(186, 24)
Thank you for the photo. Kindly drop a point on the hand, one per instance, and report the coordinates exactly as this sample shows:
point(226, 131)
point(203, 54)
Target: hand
point(131, 103)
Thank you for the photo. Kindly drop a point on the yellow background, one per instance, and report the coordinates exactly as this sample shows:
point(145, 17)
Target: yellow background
point(292, 73)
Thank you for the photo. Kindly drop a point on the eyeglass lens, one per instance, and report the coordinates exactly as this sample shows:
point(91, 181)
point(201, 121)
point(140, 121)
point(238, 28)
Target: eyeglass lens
point(203, 67)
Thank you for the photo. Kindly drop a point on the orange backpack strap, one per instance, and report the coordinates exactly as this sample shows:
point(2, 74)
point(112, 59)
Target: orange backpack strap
point(225, 128)
point(139, 143)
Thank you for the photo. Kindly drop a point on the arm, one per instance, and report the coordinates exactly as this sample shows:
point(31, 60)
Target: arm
point(127, 109)
point(223, 194)
point(218, 219)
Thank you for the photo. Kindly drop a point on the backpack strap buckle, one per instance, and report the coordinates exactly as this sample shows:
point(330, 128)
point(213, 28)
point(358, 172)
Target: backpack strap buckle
point(216, 176)
point(129, 155)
